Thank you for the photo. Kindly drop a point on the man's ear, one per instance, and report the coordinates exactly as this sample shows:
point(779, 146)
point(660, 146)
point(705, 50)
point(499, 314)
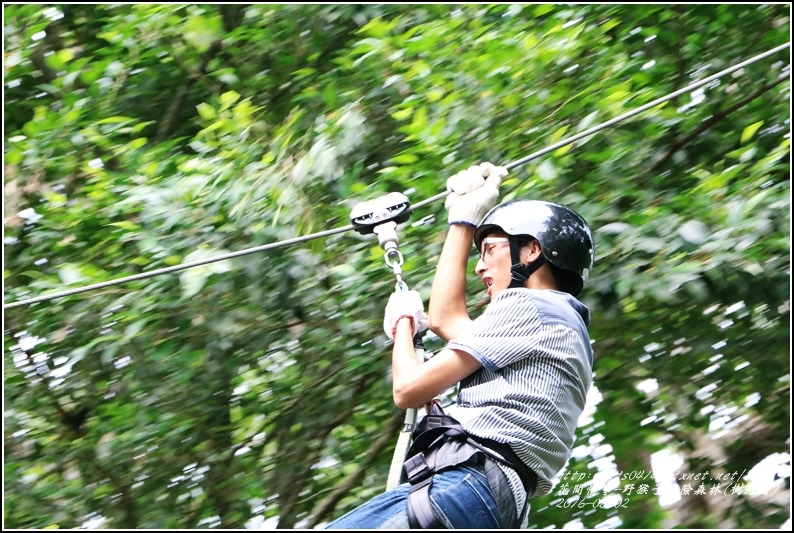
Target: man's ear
point(530, 251)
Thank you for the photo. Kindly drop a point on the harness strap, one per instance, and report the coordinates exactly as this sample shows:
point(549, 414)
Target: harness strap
point(528, 476)
point(420, 511)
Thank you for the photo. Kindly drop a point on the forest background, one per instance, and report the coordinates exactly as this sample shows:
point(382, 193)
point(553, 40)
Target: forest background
point(255, 392)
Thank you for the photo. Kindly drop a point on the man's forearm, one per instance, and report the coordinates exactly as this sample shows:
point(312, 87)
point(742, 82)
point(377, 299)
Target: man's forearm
point(414, 382)
point(405, 365)
point(447, 310)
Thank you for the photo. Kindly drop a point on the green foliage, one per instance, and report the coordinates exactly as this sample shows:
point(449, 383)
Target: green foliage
point(256, 390)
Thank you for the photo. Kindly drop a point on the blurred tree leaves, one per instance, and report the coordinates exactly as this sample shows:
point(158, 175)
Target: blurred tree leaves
point(256, 392)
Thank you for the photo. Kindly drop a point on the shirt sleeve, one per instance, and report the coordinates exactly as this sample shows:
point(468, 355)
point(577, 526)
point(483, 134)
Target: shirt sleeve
point(504, 333)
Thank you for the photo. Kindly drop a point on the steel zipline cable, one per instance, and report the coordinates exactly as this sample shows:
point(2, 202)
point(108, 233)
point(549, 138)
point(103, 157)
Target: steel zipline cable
point(342, 229)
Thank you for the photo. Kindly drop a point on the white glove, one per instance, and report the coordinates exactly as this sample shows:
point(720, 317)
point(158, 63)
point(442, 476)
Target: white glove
point(472, 195)
point(404, 304)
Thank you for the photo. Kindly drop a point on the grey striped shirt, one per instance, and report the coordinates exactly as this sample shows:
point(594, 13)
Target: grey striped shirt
point(536, 370)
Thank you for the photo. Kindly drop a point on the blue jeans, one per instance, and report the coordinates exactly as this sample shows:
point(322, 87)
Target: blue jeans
point(460, 495)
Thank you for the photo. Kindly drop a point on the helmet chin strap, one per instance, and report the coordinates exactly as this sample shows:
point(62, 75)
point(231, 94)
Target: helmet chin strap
point(519, 272)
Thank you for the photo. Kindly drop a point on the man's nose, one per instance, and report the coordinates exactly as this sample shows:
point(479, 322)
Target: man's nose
point(480, 267)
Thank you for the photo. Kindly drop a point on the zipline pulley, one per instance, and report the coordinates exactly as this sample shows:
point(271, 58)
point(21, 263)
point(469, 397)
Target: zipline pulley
point(367, 215)
point(381, 216)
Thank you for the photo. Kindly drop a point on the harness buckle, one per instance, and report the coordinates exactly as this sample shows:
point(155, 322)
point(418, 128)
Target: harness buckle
point(433, 421)
point(417, 469)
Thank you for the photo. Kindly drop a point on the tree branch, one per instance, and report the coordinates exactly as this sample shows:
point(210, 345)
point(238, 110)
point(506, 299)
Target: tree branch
point(175, 108)
point(325, 507)
point(711, 121)
point(232, 17)
point(312, 451)
point(286, 91)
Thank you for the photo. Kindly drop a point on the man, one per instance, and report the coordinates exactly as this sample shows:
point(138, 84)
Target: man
point(524, 366)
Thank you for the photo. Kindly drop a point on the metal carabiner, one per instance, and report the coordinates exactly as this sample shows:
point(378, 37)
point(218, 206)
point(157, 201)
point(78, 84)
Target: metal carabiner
point(395, 264)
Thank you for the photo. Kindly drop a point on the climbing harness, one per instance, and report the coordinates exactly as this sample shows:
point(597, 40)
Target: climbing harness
point(343, 229)
point(441, 442)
